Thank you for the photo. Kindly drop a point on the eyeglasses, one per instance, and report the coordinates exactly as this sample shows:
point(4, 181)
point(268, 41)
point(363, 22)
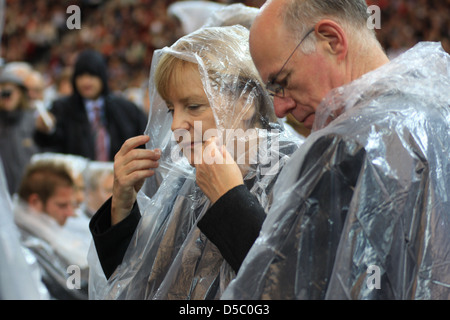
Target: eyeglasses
point(276, 89)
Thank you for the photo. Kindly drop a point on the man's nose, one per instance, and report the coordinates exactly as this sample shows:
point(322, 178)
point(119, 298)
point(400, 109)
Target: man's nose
point(283, 106)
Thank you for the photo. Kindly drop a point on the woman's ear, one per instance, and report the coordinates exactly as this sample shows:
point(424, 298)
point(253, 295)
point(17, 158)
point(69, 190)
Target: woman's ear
point(333, 38)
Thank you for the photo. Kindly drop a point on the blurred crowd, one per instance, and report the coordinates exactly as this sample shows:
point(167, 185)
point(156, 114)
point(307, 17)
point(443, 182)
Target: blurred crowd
point(66, 96)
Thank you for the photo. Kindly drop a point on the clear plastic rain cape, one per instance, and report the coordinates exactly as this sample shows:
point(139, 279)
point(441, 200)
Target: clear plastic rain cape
point(169, 258)
point(362, 209)
point(20, 278)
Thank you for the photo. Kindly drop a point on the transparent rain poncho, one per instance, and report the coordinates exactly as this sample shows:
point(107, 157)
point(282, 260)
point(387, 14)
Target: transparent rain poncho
point(362, 209)
point(169, 257)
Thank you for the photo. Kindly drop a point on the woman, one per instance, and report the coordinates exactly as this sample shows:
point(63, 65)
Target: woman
point(16, 128)
point(208, 104)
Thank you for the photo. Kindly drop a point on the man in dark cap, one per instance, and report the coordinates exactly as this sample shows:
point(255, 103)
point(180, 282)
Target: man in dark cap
point(91, 122)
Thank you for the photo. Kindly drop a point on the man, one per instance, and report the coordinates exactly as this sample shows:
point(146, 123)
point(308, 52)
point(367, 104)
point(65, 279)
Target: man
point(99, 179)
point(91, 122)
point(46, 199)
point(368, 193)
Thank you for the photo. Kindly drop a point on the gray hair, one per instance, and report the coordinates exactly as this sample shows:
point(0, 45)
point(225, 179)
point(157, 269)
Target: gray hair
point(352, 15)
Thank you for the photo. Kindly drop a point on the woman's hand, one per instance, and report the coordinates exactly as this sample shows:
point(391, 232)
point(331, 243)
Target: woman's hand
point(216, 171)
point(45, 122)
point(131, 167)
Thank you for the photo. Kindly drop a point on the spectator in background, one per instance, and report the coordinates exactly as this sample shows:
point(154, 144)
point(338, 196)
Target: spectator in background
point(16, 128)
point(76, 166)
point(91, 122)
point(46, 200)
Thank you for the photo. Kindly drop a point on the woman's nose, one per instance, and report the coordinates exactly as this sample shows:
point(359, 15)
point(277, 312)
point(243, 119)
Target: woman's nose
point(180, 120)
point(283, 106)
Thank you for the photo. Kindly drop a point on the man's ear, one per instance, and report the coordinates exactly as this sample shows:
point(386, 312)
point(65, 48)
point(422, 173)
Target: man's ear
point(333, 38)
point(35, 202)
